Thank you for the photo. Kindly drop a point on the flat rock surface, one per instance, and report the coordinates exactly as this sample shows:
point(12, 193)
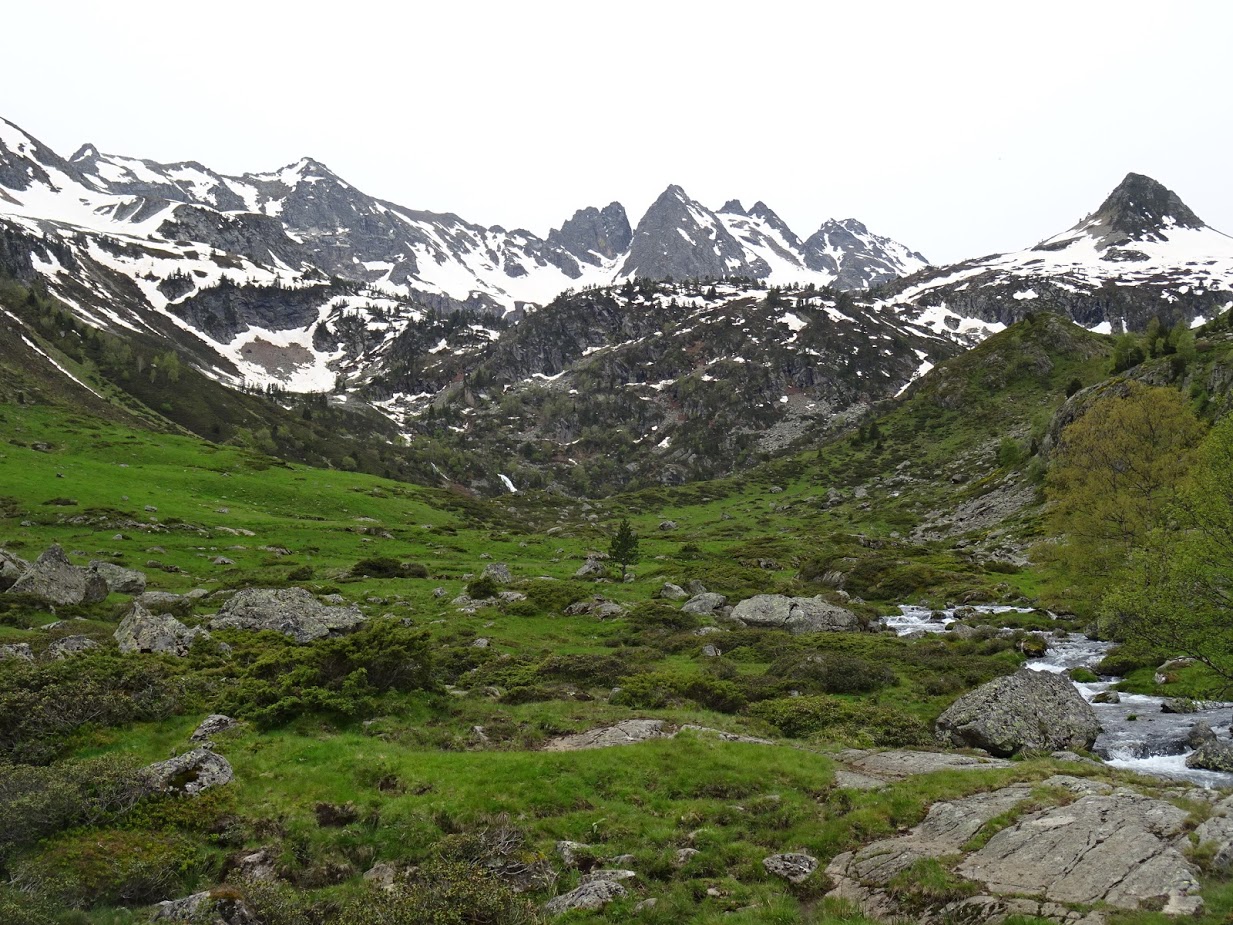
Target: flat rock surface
point(897, 764)
point(1108, 847)
point(633, 731)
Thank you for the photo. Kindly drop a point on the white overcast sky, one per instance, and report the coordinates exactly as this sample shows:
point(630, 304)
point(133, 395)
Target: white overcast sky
point(960, 129)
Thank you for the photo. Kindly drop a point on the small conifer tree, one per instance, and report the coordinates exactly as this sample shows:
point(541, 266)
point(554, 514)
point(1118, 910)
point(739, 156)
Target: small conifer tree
point(624, 547)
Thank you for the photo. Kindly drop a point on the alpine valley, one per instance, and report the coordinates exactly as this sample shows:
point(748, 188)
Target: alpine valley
point(366, 565)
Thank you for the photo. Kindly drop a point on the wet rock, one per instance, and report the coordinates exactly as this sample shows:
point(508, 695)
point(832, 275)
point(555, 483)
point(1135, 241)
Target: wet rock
point(706, 603)
point(292, 611)
point(142, 631)
point(211, 726)
point(190, 773)
point(795, 614)
point(1029, 709)
point(794, 868)
point(120, 580)
point(589, 897)
point(498, 572)
point(1200, 734)
point(70, 645)
point(1107, 697)
point(1216, 755)
point(1179, 705)
point(52, 578)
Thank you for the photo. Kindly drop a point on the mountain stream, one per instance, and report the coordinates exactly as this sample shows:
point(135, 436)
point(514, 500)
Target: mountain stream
point(1135, 734)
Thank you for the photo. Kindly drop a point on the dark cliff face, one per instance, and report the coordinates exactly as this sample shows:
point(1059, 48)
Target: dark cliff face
point(678, 238)
point(590, 232)
point(1141, 207)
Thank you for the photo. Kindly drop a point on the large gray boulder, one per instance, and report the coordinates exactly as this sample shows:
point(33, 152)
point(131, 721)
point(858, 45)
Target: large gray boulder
point(142, 631)
point(795, 614)
point(223, 906)
point(590, 897)
point(68, 646)
point(190, 773)
point(54, 579)
point(292, 611)
point(1029, 709)
point(498, 572)
point(706, 603)
point(11, 568)
point(19, 650)
point(120, 580)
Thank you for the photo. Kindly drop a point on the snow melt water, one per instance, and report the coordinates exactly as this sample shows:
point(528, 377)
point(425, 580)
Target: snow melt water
point(1135, 735)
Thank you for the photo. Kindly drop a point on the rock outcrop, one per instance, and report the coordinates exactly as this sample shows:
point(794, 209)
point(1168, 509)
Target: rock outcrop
point(1213, 755)
point(68, 646)
point(120, 580)
point(190, 773)
point(1029, 709)
point(54, 579)
point(795, 614)
point(11, 568)
point(212, 725)
point(292, 611)
point(1108, 847)
point(590, 897)
point(142, 631)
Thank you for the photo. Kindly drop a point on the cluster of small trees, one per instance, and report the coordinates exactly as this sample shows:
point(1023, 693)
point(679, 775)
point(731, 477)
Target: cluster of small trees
point(1144, 500)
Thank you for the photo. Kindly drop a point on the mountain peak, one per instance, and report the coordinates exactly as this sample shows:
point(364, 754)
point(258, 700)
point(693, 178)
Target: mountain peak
point(733, 207)
point(86, 152)
point(1140, 205)
point(1139, 209)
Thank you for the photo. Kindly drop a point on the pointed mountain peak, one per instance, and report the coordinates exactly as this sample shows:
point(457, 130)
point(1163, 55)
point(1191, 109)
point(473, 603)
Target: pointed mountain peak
point(1140, 205)
point(86, 152)
point(733, 207)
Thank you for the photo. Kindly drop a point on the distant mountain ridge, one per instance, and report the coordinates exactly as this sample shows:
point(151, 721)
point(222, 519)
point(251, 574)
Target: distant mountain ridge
point(1142, 254)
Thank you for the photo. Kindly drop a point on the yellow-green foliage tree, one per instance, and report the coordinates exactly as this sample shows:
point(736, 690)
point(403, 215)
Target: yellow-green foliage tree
point(1117, 469)
point(1177, 594)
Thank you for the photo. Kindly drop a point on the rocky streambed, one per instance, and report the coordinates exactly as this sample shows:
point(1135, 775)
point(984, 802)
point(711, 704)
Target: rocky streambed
point(1136, 732)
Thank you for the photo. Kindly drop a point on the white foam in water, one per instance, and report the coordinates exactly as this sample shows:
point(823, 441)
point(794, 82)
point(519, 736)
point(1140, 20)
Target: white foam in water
point(1124, 739)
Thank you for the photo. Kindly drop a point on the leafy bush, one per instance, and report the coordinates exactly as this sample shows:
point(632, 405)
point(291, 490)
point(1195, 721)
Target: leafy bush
point(386, 567)
point(661, 689)
point(41, 703)
point(340, 675)
point(805, 716)
point(832, 673)
point(112, 866)
point(37, 802)
point(482, 588)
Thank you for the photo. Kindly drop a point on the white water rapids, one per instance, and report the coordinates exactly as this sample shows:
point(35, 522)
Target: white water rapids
point(1135, 734)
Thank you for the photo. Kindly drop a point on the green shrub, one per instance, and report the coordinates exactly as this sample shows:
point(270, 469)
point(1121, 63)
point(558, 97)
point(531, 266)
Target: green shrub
point(831, 673)
point(482, 588)
point(36, 802)
point(386, 567)
point(41, 703)
point(111, 866)
point(340, 675)
point(800, 717)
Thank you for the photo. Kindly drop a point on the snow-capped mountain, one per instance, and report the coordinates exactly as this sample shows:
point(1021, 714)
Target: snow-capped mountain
point(1142, 254)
